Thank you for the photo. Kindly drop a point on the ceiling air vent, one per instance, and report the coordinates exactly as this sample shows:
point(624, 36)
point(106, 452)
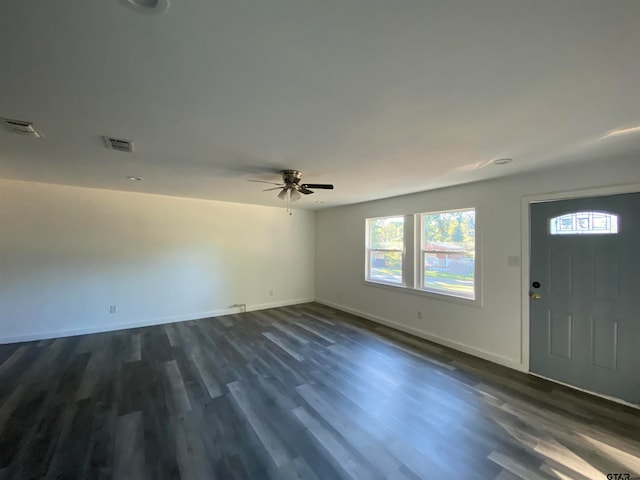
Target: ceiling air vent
point(21, 127)
point(118, 144)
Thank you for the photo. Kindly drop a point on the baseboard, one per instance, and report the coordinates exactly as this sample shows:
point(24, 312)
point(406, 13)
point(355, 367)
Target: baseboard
point(150, 322)
point(476, 352)
point(286, 303)
point(605, 397)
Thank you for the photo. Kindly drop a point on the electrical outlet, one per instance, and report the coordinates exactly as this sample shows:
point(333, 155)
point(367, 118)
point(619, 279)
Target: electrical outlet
point(112, 309)
point(419, 315)
point(271, 293)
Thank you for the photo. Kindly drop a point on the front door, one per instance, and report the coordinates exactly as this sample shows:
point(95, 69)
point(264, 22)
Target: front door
point(585, 293)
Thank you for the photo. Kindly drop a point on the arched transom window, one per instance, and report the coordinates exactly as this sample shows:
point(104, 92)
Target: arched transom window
point(580, 223)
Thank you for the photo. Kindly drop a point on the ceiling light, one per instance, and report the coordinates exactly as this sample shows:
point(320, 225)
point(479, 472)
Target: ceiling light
point(502, 161)
point(135, 179)
point(153, 7)
point(622, 131)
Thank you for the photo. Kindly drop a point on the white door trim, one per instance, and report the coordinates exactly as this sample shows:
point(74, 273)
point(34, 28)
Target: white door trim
point(546, 197)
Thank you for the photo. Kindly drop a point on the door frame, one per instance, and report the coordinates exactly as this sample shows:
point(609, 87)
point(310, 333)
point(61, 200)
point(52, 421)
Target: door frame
point(527, 200)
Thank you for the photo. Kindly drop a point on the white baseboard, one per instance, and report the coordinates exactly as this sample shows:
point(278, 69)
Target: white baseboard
point(148, 322)
point(286, 303)
point(476, 352)
point(606, 397)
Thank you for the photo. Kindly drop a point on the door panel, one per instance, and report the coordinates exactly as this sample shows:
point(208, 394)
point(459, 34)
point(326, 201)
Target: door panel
point(561, 269)
point(560, 334)
point(605, 274)
point(584, 320)
point(604, 342)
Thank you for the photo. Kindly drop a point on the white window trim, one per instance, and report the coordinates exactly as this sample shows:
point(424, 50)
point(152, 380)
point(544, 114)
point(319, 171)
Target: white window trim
point(412, 254)
point(420, 264)
point(403, 252)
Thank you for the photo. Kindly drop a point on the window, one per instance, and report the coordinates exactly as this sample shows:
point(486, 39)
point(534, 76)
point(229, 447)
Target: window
point(384, 250)
point(584, 223)
point(447, 251)
point(438, 250)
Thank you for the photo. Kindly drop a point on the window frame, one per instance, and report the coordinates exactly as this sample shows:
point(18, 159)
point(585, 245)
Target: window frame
point(420, 256)
point(368, 251)
point(412, 273)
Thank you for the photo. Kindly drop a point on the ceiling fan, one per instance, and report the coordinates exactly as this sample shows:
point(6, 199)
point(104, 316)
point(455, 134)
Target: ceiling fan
point(291, 188)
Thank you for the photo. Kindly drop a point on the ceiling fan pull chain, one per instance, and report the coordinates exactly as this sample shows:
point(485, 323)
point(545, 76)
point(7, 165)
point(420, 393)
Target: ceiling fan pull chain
point(289, 201)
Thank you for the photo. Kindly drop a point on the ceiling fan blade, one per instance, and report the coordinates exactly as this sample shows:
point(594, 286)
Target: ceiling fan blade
point(262, 181)
point(305, 191)
point(269, 189)
point(324, 186)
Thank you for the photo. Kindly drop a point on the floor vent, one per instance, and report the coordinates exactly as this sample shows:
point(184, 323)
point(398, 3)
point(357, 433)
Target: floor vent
point(118, 144)
point(21, 127)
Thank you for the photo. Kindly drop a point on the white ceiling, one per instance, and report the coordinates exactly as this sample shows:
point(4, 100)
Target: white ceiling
point(378, 97)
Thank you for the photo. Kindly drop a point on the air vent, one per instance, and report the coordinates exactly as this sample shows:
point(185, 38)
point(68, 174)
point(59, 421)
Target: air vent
point(21, 127)
point(118, 144)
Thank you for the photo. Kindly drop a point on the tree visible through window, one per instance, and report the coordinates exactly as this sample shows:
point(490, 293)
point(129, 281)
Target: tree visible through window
point(448, 252)
point(439, 257)
point(385, 245)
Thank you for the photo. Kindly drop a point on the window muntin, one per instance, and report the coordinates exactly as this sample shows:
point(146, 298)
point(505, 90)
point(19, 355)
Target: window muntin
point(584, 223)
point(447, 253)
point(384, 250)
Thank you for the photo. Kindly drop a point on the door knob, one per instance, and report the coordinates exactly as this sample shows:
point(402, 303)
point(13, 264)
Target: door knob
point(535, 296)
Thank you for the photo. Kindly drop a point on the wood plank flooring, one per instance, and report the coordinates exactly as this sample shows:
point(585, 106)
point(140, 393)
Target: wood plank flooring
point(302, 392)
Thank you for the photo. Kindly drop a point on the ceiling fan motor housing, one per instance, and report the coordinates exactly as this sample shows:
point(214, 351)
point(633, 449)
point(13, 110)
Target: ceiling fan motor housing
point(291, 177)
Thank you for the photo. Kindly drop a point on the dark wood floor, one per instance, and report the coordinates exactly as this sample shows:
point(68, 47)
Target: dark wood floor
point(298, 392)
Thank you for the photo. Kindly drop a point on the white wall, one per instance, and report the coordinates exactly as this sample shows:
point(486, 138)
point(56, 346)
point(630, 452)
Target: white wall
point(67, 254)
point(493, 331)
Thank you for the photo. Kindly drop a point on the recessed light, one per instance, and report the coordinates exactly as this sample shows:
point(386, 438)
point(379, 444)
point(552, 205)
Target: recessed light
point(135, 179)
point(622, 131)
point(153, 7)
point(502, 161)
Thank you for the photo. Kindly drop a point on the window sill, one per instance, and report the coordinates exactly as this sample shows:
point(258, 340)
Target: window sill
point(424, 293)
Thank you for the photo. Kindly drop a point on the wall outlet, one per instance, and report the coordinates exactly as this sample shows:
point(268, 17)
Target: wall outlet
point(271, 293)
point(112, 309)
point(513, 260)
point(419, 315)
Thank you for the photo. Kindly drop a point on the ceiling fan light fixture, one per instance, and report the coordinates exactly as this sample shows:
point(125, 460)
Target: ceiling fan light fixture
point(291, 188)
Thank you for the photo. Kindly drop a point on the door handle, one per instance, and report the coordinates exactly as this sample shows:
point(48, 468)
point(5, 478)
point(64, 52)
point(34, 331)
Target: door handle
point(535, 296)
